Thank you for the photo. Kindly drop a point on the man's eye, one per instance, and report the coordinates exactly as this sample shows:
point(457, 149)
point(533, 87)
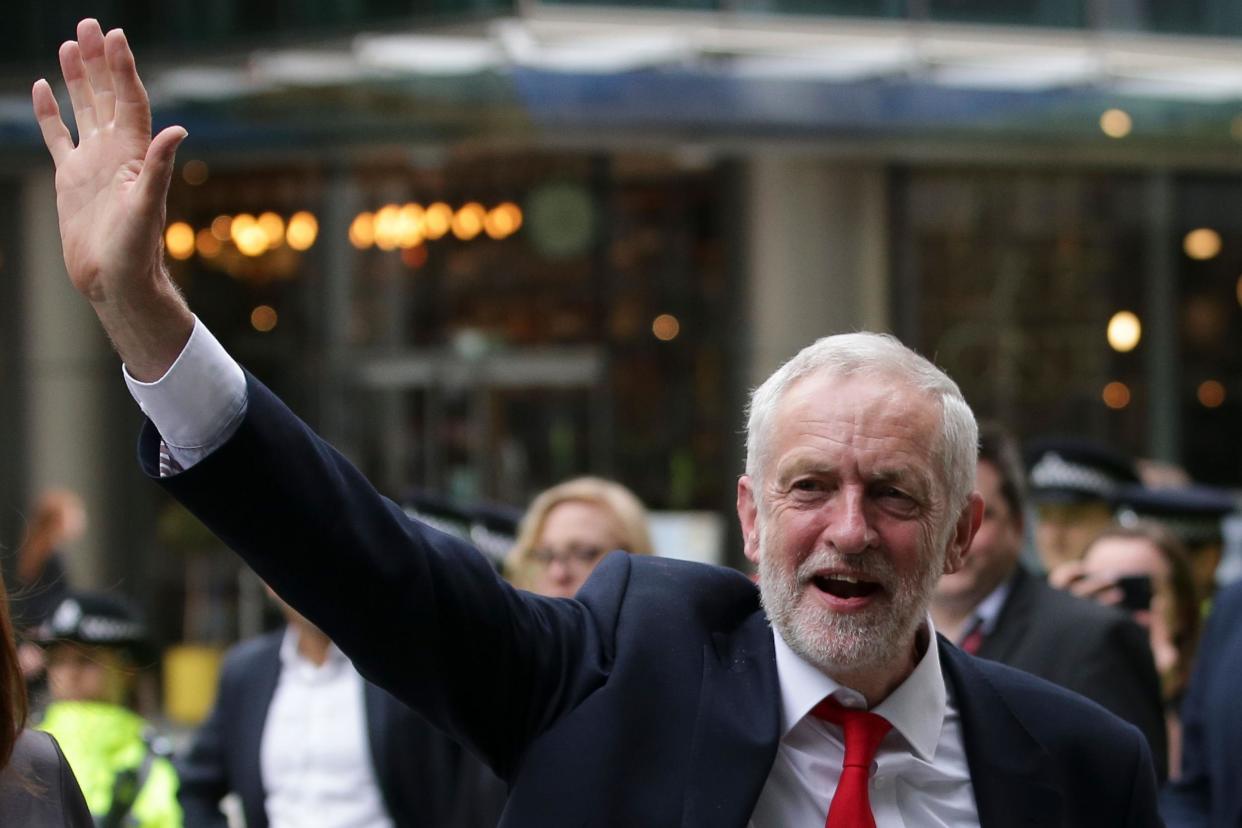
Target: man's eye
point(807, 486)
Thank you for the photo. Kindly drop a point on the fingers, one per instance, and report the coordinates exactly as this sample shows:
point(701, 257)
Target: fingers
point(91, 48)
point(47, 113)
point(157, 167)
point(133, 108)
point(80, 94)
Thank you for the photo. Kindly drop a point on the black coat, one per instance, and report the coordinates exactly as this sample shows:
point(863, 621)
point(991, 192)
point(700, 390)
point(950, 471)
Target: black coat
point(37, 788)
point(651, 699)
point(1085, 647)
point(1209, 792)
point(424, 778)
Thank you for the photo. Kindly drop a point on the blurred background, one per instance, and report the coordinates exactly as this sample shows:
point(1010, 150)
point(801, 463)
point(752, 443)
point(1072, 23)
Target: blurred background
point(483, 246)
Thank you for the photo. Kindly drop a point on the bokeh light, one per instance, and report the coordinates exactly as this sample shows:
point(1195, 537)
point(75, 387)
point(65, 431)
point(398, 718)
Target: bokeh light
point(437, 219)
point(665, 327)
point(264, 318)
point(273, 227)
point(362, 231)
point(1116, 395)
point(1124, 331)
point(1211, 394)
point(468, 221)
point(302, 231)
point(1116, 123)
point(179, 240)
point(1202, 244)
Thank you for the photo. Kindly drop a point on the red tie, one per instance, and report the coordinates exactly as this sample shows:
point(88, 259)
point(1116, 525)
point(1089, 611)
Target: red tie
point(851, 807)
point(973, 640)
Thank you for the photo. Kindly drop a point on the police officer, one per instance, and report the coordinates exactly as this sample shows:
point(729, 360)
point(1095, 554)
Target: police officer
point(96, 644)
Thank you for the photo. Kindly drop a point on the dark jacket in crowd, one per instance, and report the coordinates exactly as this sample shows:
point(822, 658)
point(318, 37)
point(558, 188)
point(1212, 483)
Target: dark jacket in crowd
point(37, 788)
point(1082, 646)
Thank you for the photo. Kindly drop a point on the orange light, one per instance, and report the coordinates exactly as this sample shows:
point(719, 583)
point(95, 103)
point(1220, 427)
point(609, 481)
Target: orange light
point(410, 226)
point(468, 221)
point(179, 240)
point(207, 244)
point(1116, 395)
point(362, 231)
point(665, 327)
point(414, 257)
point(1211, 394)
point(437, 219)
point(273, 226)
point(387, 227)
point(1202, 243)
point(302, 231)
point(263, 318)
point(503, 220)
point(222, 227)
point(1116, 123)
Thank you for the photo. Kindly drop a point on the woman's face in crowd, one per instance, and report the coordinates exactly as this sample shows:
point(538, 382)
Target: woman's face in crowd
point(1111, 558)
point(574, 536)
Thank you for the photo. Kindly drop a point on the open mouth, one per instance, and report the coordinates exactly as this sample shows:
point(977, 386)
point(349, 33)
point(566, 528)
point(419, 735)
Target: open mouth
point(845, 587)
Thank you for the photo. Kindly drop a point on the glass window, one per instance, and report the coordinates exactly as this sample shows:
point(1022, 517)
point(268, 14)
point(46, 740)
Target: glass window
point(1009, 280)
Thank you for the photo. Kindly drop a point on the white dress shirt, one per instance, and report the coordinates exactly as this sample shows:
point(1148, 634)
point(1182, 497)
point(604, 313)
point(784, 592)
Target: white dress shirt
point(314, 756)
point(920, 776)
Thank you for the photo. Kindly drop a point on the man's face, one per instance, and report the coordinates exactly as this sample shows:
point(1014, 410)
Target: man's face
point(994, 551)
point(851, 529)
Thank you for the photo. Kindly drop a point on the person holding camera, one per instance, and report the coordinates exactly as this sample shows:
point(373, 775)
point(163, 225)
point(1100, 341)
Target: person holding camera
point(1144, 570)
point(995, 608)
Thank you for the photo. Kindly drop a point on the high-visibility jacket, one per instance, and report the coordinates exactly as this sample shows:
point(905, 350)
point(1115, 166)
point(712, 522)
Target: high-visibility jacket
point(127, 784)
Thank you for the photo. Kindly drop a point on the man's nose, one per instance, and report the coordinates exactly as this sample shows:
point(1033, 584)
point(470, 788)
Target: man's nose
point(849, 530)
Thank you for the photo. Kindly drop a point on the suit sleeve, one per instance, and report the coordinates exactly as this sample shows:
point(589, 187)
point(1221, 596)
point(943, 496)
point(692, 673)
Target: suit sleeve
point(419, 613)
point(203, 769)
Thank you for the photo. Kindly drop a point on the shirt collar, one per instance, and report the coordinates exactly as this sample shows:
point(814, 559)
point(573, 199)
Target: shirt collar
point(916, 708)
point(989, 609)
point(291, 659)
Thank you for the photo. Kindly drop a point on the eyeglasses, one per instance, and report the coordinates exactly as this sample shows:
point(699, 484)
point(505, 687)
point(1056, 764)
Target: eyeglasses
point(576, 557)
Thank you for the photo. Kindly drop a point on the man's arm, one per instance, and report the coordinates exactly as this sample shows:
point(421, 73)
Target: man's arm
point(110, 196)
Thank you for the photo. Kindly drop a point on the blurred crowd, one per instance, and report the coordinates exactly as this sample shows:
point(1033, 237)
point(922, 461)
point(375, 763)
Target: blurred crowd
point(1091, 570)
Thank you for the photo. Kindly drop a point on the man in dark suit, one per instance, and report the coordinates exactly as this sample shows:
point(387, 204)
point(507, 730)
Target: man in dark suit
point(1207, 792)
point(993, 607)
point(664, 693)
point(300, 738)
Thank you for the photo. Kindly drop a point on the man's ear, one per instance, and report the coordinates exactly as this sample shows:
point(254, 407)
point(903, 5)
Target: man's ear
point(963, 533)
point(748, 517)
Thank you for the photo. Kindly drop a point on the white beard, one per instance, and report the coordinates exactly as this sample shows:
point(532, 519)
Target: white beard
point(837, 643)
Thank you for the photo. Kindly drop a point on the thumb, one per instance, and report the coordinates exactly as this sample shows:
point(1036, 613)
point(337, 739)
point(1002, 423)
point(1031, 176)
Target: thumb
point(157, 167)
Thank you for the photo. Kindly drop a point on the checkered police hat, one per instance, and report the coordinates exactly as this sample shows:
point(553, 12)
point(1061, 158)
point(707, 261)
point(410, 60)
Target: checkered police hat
point(94, 618)
point(1070, 470)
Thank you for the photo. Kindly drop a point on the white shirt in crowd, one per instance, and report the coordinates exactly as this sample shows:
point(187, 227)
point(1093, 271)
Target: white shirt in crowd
point(315, 756)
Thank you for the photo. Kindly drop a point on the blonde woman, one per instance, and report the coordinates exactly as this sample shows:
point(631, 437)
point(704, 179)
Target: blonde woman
point(569, 528)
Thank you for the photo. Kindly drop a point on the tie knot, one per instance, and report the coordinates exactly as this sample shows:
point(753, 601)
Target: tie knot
point(863, 730)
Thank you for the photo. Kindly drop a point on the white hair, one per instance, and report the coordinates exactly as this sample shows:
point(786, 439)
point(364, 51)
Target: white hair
point(879, 355)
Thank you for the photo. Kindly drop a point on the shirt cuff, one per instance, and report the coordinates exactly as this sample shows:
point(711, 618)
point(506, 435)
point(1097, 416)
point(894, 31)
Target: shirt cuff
point(198, 403)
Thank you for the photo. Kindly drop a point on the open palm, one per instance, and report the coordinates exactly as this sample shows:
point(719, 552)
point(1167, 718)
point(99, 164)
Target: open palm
point(111, 187)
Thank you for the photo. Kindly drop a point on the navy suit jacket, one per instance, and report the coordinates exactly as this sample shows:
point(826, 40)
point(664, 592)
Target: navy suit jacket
point(650, 699)
point(1085, 647)
point(1209, 792)
point(424, 778)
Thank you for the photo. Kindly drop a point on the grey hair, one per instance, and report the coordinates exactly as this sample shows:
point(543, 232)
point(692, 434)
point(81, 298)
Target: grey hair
point(882, 355)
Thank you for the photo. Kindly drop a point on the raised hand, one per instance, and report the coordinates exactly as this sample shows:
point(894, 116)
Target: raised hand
point(110, 195)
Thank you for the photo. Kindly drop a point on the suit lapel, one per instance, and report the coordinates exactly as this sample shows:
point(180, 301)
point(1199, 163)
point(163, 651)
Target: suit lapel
point(1011, 626)
point(1010, 771)
point(251, 720)
point(737, 727)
